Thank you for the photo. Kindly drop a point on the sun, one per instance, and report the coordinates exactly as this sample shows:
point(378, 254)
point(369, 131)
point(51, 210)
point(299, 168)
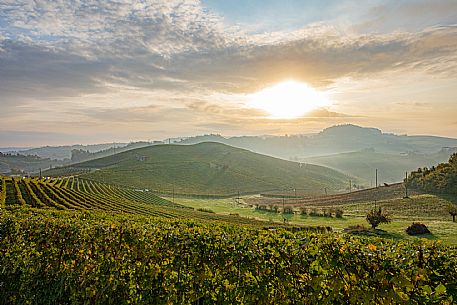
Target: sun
point(288, 100)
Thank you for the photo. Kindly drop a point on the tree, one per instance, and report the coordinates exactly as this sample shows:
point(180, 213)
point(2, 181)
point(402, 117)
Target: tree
point(452, 209)
point(376, 216)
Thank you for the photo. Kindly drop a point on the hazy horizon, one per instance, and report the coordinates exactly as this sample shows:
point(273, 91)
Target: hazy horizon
point(59, 144)
point(121, 71)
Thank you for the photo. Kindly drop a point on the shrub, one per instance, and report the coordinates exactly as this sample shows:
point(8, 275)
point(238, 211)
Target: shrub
point(327, 213)
point(206, 210)
point(417, 229)
point(314, 212)
point(339, 213)
point(288, 210)
point(376, 216)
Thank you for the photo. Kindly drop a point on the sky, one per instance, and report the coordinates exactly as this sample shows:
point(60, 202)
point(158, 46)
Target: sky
point(98, 71)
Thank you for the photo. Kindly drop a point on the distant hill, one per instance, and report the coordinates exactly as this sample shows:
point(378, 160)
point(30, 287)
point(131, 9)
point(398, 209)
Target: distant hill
point(64, 152)
point(30, 161)
point(20, 164)
point(352, 149)
point(391, 167)
point(208, 169)
point(81, 155)
point(332, 140)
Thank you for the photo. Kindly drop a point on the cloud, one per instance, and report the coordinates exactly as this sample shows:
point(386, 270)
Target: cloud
point(390, 15)
point(163, 61)
point(33, 71)
point(116, 28)
point(77, 47)
point(324, 57)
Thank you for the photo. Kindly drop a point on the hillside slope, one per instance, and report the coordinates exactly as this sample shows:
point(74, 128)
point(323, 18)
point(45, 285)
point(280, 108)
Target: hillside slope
point(391, 167)
point(208, 169)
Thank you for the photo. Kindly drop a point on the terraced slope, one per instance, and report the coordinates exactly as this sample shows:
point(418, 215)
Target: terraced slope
point(206, 169)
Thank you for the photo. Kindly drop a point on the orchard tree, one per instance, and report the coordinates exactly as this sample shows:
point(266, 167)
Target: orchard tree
point(452, 209)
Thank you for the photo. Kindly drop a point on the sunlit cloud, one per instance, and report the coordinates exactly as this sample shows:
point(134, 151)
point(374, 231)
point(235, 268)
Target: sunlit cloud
point(156, 63)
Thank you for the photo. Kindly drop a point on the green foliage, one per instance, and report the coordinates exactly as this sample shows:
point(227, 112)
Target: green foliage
point(52, 257)
point(3, 191)
point(206, 210)
point(452, 209)
point(19, 198)
point(439, 179)
point(376, 217)
point(339, 213)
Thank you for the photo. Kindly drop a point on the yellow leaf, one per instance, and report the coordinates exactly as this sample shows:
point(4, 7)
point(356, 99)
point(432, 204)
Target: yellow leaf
point(372, 247)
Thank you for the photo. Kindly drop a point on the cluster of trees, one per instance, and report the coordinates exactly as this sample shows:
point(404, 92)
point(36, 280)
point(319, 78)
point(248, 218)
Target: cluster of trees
point(439, 179)
point(324, 212)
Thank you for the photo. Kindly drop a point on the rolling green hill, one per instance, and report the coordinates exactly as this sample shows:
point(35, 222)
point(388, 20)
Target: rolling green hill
point(206, 169)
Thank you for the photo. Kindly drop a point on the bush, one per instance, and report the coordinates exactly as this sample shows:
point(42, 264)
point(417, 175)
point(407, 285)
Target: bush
point(327, 213)
point(376, 216)
point(417, 229)
point(206, 210)
point(314, 212)
point(288, 210)
point(339, 213)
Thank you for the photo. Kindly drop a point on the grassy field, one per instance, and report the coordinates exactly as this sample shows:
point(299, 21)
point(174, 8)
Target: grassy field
point(206, 169)
point(425, 208)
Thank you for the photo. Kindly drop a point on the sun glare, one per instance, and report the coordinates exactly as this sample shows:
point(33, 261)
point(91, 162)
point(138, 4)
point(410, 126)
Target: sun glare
point(288, 100)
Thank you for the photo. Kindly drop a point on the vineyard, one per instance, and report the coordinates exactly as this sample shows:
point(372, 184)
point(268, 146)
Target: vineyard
point(73, 193)
point(75, 241)
point(389, 192)
point(67, 257)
